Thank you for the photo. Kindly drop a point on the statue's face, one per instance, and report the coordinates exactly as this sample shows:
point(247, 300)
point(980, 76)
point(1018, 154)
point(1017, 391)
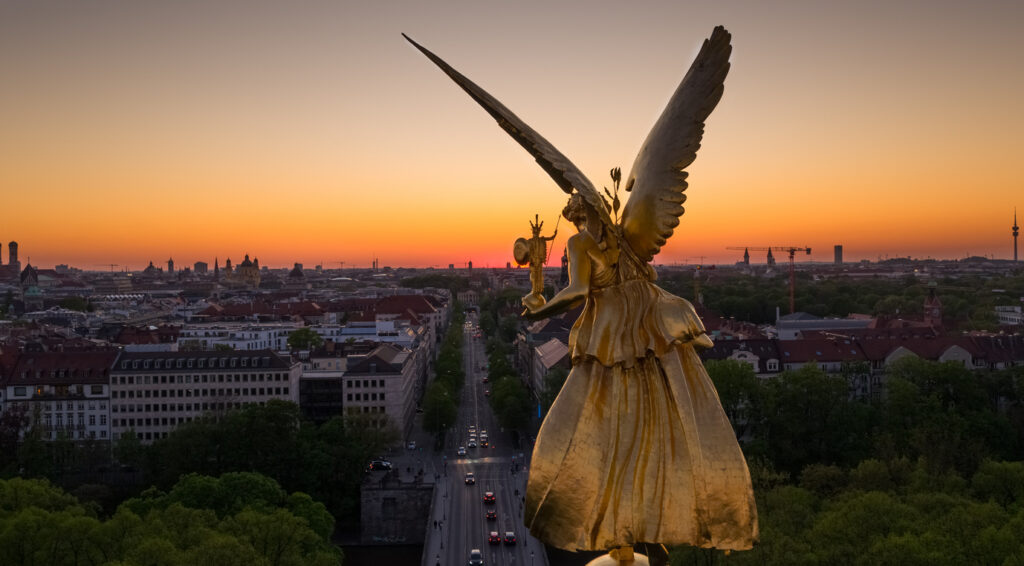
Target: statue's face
point(575, 211)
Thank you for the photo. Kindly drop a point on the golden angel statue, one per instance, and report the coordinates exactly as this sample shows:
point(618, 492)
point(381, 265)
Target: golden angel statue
point(636, 447)
point(534, 252)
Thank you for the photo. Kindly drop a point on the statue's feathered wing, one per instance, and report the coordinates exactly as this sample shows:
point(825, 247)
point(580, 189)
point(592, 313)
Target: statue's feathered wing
point(658, 179)
point(567, 175)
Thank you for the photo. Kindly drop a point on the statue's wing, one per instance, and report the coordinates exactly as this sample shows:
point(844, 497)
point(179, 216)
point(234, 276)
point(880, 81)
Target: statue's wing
point(567, 175)
point(658, 179)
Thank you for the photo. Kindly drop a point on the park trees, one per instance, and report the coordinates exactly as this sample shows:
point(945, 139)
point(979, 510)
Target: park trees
point(237, 519)
point(304, 338)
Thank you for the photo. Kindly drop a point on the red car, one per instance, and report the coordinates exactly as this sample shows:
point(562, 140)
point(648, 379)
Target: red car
point(492, 515)
point(488, 497)
point(494, 538)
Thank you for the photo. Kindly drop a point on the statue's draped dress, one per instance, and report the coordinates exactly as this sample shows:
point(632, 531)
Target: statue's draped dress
point(636, 448)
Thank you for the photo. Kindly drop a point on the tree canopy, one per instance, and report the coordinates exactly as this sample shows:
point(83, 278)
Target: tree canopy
point(237, 519)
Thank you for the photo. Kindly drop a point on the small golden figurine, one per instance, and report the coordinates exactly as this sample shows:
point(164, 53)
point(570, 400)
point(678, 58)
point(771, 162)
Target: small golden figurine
point(535, 253)
point(636, 447)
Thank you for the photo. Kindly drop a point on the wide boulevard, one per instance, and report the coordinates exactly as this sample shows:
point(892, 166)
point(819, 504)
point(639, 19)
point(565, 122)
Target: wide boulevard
point(498, 468)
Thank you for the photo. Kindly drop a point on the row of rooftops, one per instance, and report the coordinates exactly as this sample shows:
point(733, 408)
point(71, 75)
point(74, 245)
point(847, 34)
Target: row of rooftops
point(876, 349)
point(56, 368)
point(873, 346)
point(93, 367)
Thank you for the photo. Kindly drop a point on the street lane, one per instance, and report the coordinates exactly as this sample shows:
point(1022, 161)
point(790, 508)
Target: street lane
point(460, 510)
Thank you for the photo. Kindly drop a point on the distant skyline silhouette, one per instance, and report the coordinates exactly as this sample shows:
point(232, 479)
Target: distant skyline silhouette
point(136, 131)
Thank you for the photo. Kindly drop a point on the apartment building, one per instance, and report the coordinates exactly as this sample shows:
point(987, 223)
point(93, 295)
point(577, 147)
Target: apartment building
point(153, 392)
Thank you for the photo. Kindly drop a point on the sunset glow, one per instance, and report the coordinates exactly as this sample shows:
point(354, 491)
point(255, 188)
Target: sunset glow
point(139, 131)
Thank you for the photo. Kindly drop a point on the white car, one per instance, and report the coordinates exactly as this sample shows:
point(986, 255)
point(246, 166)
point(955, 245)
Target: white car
point(411, 445)
point(472, 444)
point(462, 450)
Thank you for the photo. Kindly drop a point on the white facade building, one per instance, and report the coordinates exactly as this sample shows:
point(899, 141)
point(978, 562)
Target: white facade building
point(153, 392)
point(241, 336)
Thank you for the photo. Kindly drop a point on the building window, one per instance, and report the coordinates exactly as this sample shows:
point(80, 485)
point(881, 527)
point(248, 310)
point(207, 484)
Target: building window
point(96, 389)
point(20, 391)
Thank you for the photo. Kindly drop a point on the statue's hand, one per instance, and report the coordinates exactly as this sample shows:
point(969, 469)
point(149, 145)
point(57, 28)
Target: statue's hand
point(533, 302)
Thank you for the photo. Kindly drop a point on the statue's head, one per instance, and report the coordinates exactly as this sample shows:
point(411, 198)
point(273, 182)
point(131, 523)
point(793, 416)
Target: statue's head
point(576, 210)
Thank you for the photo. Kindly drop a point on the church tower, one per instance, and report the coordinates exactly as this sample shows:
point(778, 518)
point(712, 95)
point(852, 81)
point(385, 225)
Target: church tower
point(1015, 230)
point(563, 276)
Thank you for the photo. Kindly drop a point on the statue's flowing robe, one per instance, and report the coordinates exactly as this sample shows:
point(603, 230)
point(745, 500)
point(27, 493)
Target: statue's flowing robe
point(637, 448)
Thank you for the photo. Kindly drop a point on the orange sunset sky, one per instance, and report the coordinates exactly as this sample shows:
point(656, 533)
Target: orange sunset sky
point(310, 131)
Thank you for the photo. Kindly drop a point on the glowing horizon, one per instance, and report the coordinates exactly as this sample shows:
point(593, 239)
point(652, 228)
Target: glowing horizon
point(141, 131)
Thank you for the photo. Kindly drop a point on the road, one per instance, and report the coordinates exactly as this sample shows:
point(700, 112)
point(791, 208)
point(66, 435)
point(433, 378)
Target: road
point(460, 510)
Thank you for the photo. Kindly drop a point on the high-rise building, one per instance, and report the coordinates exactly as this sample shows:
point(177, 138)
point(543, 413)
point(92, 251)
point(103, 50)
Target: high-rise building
point(1016, 229)
point(839, 255)
point(200, 267)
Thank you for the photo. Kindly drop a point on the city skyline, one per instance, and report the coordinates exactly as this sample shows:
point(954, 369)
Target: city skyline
point(139, 131)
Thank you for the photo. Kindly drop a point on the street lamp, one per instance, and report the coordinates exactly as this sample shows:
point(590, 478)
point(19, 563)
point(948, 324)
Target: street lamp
point(531, 558)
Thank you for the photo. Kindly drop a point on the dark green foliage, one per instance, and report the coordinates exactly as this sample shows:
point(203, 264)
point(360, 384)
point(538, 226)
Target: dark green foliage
point(251, 522)
point(929, 473)
point(967, 302)
point(440, 405)
point(76, 304)
point(325, 461)
point(511, 402)
point(304, 338)
point(554, 379)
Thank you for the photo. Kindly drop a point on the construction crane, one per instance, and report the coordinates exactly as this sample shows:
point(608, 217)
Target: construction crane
point(792, 273)
point(110, 265)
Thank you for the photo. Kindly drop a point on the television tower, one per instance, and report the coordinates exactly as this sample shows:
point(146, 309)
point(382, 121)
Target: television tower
point(1015, 230)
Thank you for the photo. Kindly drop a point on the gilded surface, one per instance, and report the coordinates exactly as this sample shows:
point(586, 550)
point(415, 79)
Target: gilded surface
point(534, 252)
point(636, 448)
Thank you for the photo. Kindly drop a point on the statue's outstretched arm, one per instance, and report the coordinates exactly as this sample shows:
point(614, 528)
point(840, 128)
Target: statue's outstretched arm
point(579, 247)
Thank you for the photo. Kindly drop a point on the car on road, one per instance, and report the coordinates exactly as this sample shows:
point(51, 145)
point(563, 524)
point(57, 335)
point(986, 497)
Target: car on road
point(470, 478)
point(487, 392)
point(471, 444)
point(476, 558)
point(492, 515)
point(472, 429)
point(411, 445)
point(510, 538)
point(489, 497)
point(483, 443)
point(462, 450)
point(378, 465)
point(486, 380)
point(494, 538)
